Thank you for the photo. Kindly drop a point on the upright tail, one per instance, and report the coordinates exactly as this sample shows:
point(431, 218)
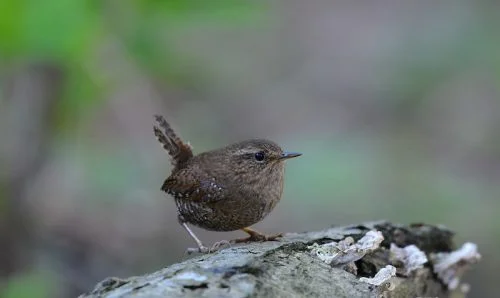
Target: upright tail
point(179, 151)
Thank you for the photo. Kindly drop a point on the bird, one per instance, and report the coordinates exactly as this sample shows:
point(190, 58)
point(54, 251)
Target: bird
point(226, 189)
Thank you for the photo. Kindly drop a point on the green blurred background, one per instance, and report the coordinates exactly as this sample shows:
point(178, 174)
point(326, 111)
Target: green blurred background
point(394, 105)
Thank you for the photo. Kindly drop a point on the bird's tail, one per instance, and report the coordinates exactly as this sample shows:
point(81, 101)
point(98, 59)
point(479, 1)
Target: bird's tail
point(179, 151)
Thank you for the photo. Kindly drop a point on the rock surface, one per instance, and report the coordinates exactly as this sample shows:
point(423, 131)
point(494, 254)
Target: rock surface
point(288, 268)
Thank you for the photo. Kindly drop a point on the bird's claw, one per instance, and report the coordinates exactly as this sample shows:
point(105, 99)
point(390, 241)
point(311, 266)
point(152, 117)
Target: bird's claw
point(204, 250)
point(201, 249)
point(219, 245)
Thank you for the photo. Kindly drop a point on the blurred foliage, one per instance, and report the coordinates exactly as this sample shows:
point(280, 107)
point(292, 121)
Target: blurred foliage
point(435, 59)
point(54, 29)
point(68, 32)
point(30, 285)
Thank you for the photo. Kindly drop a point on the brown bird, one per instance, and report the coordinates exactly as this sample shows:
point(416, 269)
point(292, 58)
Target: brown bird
point(226, 189)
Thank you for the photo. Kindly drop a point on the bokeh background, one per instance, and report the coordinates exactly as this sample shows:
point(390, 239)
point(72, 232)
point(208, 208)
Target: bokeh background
point(395, 106)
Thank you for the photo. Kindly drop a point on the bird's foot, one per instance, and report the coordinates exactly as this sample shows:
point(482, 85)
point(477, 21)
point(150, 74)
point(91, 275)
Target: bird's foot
point(204, 250)
point(201, 250)
point(256, 237)
point(220, 245)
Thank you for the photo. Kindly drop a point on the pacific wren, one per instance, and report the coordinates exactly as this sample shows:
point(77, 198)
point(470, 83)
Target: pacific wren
point(226, 189)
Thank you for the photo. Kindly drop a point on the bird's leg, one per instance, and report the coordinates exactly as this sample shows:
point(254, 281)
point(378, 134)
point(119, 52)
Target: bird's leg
point(256, 236)
point(201, 248)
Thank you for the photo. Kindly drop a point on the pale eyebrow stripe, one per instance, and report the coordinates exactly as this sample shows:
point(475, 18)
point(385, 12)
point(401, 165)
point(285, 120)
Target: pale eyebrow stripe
point(245, 151)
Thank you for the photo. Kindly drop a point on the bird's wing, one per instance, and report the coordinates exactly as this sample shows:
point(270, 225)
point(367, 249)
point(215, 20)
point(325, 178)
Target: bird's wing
point(185, 187)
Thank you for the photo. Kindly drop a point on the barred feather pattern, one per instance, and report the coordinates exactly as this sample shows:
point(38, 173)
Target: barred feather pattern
point(179, 151)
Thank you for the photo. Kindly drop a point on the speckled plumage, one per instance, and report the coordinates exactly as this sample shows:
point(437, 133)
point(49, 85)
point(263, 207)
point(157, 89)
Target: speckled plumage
point(224, 189)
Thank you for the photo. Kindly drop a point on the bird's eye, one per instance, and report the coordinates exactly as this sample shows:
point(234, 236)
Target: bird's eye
point(259, 156)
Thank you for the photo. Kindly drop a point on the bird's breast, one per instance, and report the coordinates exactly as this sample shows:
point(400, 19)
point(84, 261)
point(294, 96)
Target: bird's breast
point(242, 204)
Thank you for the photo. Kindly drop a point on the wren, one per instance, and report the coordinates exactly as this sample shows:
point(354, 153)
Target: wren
point(226, 189)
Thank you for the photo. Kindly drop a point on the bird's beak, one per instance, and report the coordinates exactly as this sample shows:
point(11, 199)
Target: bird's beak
point(287, 155)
